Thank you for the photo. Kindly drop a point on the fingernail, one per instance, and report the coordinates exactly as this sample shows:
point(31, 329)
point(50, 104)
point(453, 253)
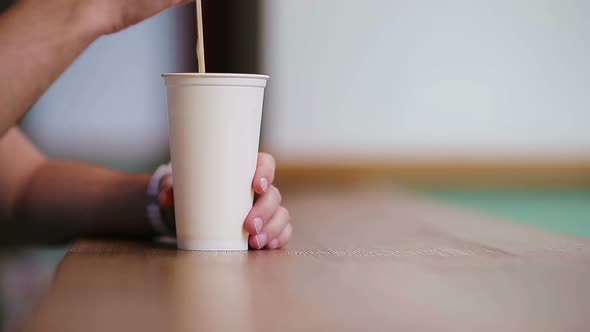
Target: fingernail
point(257, 224)
point(264, 184)
point(273, 244)
point(261, 240)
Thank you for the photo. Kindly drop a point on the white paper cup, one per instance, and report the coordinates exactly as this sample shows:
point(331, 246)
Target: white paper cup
point(214, 124)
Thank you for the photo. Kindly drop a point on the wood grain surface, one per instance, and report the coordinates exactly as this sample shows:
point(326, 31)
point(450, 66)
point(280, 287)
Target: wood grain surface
point(362, 259)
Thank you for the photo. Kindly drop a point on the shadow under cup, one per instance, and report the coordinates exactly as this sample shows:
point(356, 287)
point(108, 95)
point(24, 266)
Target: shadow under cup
point(214, 122)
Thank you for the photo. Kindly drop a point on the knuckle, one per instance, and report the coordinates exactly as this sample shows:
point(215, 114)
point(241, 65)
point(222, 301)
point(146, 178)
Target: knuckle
point(271, 161)
point(267, 159)
point(283, 210)
point(286, 235)
point(277, 194)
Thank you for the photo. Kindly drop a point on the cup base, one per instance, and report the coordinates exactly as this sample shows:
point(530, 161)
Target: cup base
point(203, 245)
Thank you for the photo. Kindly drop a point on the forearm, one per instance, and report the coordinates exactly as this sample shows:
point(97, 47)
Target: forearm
point(39, 40)
point(65, 200)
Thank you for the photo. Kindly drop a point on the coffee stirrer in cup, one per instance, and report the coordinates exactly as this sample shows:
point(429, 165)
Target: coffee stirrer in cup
point(200, 41)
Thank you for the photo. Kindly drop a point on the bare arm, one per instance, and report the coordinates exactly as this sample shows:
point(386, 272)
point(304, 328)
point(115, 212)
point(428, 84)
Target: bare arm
point(49, 201)
point(40, 39)
point(54, 201)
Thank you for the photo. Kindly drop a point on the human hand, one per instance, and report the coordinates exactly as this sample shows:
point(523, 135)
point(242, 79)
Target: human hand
point(104, 16)
point(268, 223)
point(120, 14)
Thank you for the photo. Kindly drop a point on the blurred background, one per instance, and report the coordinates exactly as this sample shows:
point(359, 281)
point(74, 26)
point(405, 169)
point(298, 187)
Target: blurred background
point(482, 104)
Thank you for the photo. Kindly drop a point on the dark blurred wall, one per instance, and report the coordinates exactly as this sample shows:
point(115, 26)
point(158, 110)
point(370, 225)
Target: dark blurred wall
point(5, 4)
point(231, 35)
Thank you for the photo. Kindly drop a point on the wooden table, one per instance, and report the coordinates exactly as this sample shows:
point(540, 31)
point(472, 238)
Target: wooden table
point(362, 259)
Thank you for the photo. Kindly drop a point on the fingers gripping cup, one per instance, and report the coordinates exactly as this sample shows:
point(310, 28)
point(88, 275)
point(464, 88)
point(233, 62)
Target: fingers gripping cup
point(214, 122)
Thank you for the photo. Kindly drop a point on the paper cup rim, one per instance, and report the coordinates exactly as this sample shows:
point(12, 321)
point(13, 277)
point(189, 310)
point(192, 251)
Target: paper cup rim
point(215, 79)
point(216, 75)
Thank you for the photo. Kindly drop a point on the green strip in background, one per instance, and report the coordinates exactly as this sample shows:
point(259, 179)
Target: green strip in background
point(562, 211)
